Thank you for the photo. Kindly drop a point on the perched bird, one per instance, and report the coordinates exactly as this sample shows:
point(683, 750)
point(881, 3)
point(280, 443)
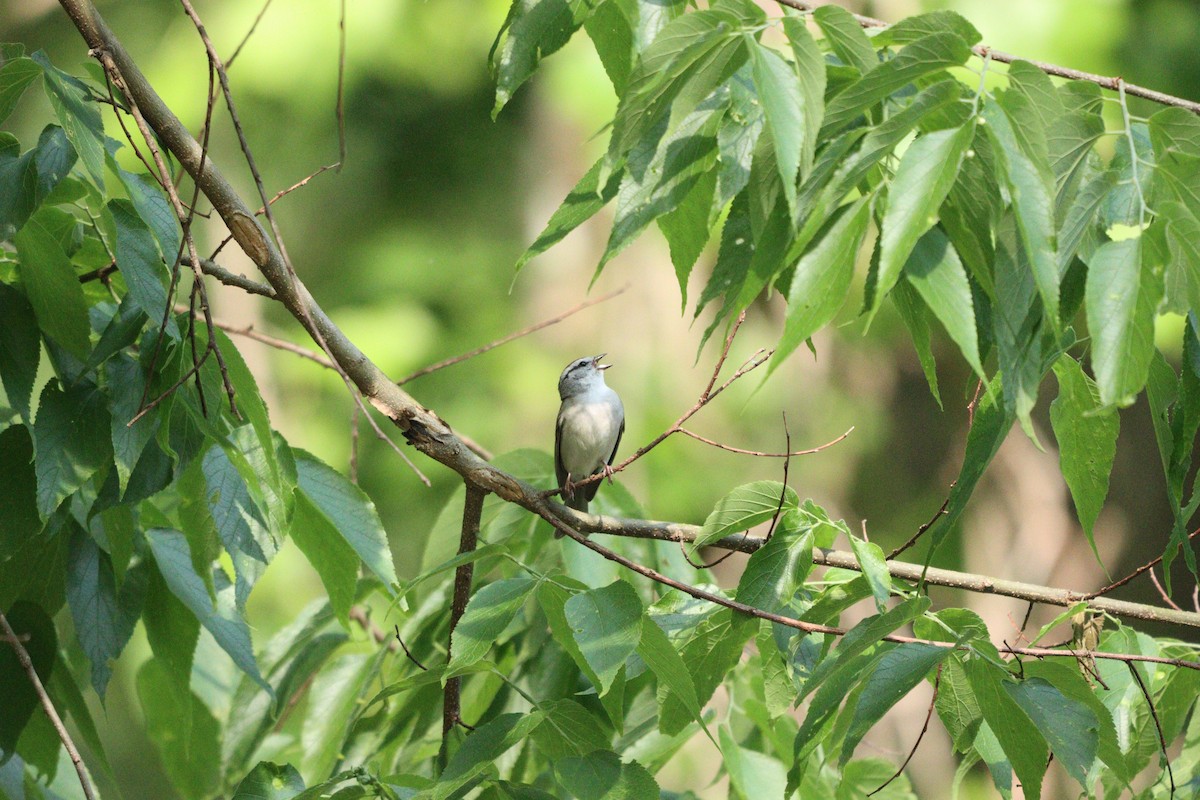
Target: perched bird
point(591, 420)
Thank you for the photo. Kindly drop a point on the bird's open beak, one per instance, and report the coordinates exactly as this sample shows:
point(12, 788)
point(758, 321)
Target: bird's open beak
point(596, 362)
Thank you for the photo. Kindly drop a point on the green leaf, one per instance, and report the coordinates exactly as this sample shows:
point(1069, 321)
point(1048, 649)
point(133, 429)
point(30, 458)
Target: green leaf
point(569, 729)
point(927, 171)
point(912, 28)
point(1066, 679)
point(1018, 735)
point(79, 116)
point(846, 37)
point(613, 37)
point(489, 612)
point(744, 507)
point(54, 291)
point(918, 59)
point(350, 511)
point(786, 109)
point(485, 744)
point(753, 774)
point(1070, 726)
point(1018, 330)
point(580, 205)
point(15, 77)
point(688, 227)
point(1087, 441)
point(822, 278)
point(913, 313)
point(533, 30)
point(268, 781)
point(669, 668)
point(956, 705)
point(714, 650)
point(810, 67)
point(221, 618)
point(127, 383)
point(104, 618)
point(1030, 184)
point(1182, 284)
point(20, 349)
point(737, 137)
point(934, 270)
point(552, 597)
point(18, 184)
point(874, 568)
point(900, 669)
point(19, 523)
point(192, 760)
point(152, 207)
point(20, 698)
point(602, 775)
point(776, 571)
point(335, 700)
point(607, 625)
point(172, 630)
point(1121, 297)
point(70, 441)
point(330, 555)
point(139, 261)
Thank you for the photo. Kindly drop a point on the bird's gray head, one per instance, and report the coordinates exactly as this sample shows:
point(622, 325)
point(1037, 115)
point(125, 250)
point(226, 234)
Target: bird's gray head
point(581, 375)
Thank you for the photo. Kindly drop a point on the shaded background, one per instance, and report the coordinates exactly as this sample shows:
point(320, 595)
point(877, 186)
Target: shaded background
point(410, 248)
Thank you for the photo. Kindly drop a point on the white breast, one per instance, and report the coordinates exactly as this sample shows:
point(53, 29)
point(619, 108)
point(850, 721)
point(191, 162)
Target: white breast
point(590, 426)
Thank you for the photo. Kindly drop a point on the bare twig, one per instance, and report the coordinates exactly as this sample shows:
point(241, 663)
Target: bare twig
point(1163, 592)
point(340, 109)
point(937, 682)
point(1143, 568)
point(787, 463)
point(408, 653)
point(423, 371)
point(14, 641)
point(472, 511)
point(354, 454)
point(1162, 741)
point(739, 450)
point(983, 51)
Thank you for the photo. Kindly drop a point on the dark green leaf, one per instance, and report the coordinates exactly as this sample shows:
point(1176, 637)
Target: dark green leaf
point(926, 172)
point(745, 507)
point(15, 77)
point(268, 781)
point(613, 38)
point(710, 654)
point(569, 729)
point(1020, 738)
point(20, 349)
point(933, 269)
point(127, 383)
point(737, 137)
point(489, 612)
point(140, 263)
point(912, 28)
point(822, 278)
point(18, 184)
point(485, 744)
point(350, 511)
point(1122, 294)
point(900, 669)
point(956, 705)
point(918, 59)
point(874, 568)
point(71, 441)
point(19, 523)
point(810, 67)
point(688, 227)
point(846, 37)
point(54, 291)
point(1070, 726)
point(1087, 440)
point(79, 116)
point(1182, 278)
point(607, 625)
point(776, 571)
point(786, 108)
point(221, 618)
point(669, 668)
point(534, 29)
point(914, 315)
point(20, 698)
point(152, 207)
point(603, 776)
point(192, 759)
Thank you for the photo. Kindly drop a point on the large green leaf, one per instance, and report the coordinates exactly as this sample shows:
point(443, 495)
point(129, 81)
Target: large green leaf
point(79, 116)
point(607, 624)
point(488, 613)
point(485, 744)
point(934, 270)
point(822, 278)
point(1071, 727)
point(1087, 441)
point(776, 571)
point(1018, 735)
point(54, 290)
point(1017, 317)
point(350, 511)
point(846, 37)
point(581, 204)
point(15, 76)
point(602, 775)
point(712, 651)
point(140, 263)
point(786, 108)
point(745, 507)
point(71, 441)
point(40, 640)
point(927, 170)
point(20, 349)
point(533, 30)
point(330, 555)
point(220, 618)
point(1122, 293)
point(810, 68)
point(754, 774)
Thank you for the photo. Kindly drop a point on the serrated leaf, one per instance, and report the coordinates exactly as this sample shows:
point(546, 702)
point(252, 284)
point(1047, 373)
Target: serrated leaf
point(920, 58)
point(70, 441)
point(127, 383)
point(810, 67)
point(712, 651)
point(927, 171)
point(21, 698)
point(870, 558)
point(485, 744)
point(533, 30)
point(737, 136)
point(606, 624)
point(935, 271)
point(191, 757)
point(668, 667)
point(612, 34)
point(140, 263)
point(54, 291)
point(914, 315)
point(1020, 738)
point(330, 555)
point(15, 77)
point(221, 617)
point(786, 109)
point(753, 774)
point(1087, 441)
point(351, 512)
point(900, 669)
point(744, 507)
point(20, 349)
point(152, 207)
point(1182, 275)
point(78, 115)
point(1122, 294)
point(912, 28)
point(822, 278)
point(488, 613)
point(581, 204)
point(569, 729)
point(603, 776)
point(776, 571)
point(1070, 727)
point(846, 37)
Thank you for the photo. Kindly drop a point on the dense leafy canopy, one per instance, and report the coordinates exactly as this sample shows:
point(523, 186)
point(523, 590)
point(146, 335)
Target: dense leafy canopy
point(133, 491)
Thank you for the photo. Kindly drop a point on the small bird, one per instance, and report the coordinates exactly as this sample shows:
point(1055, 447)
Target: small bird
point(591, 420)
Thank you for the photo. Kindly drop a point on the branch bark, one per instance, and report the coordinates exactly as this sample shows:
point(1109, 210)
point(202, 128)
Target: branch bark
point(472, 512)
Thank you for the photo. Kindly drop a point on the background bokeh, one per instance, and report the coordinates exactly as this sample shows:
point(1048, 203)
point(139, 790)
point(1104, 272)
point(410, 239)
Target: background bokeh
point(411, 245)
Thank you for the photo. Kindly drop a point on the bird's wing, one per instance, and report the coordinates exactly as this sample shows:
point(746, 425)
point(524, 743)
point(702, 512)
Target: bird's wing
point(560, 472)
point(592, 488)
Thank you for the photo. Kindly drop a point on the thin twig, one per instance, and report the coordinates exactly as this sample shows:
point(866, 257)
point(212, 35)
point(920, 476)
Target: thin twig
point(423, 371)
point(340, 109)
point(787, 463)
point(1163, 592)
point(937, 682)
point(1162, 741)
point(408, 653)
point(1143, 568)
point(759, 454)
point(354, 453)
point(472, 511)
point(14, 641)
point(983, 51)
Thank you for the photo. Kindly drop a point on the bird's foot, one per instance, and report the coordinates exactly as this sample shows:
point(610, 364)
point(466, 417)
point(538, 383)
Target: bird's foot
point(607, 471)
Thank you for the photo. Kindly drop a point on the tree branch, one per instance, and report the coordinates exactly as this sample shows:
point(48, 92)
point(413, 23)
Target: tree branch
point(472, 512)
point(10, 636)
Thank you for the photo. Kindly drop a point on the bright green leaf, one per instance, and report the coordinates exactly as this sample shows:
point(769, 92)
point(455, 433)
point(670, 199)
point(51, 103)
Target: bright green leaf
point(607, 627)
point(54, 291)
point(744, 507)
point(1122, 294)
point(935, 271)
point(488, 613)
